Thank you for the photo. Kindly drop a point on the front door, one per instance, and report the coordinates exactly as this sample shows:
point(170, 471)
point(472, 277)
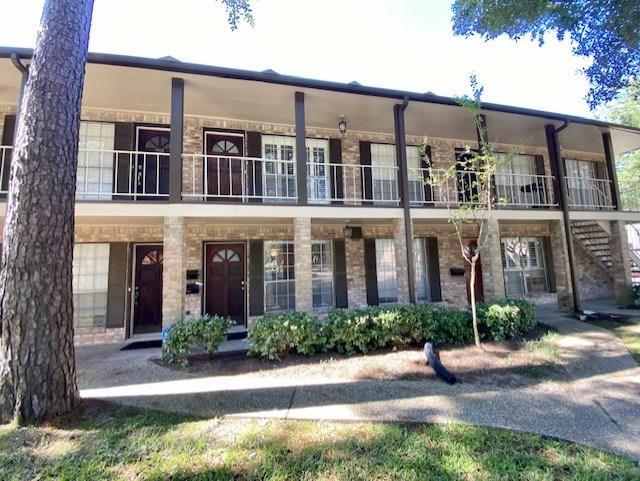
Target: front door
point(150, 174)
point(224, 165)
point(147, 289)
point(225, 281)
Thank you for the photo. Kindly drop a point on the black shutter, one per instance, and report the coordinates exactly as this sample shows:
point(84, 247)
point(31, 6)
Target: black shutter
point(336, 186)
point(433, 268)
point(117, 284)
point(548, 259)
point(340, 273)
point(365, 159)
point(370, 272)
point(7, 139)
point(124, 163)
point(254, 168)
point(425, 163)
point(256, 278)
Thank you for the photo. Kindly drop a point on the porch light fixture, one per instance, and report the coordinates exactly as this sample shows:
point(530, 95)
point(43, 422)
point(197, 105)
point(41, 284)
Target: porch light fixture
point(342, 125)
point(352, 232)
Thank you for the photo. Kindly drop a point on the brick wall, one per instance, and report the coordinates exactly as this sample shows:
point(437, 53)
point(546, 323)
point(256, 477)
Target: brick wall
point(595, 281)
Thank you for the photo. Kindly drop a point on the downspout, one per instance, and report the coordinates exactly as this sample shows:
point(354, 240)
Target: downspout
point(24, 72)
point(564, 203)
point(401, 152)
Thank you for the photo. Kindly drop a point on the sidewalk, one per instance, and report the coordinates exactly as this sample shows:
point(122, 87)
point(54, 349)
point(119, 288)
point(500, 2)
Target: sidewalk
point(600, 407)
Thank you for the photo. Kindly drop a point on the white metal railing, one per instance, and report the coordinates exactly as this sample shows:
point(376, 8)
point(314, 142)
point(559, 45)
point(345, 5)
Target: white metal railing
point(111, 174)
point(433, 187)
point(589, 193)
point(353, 184)
point(122, 175)
point(213, 177)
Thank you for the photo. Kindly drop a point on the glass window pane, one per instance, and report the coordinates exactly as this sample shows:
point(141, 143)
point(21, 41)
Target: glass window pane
point(386, 271)
point(90, 284)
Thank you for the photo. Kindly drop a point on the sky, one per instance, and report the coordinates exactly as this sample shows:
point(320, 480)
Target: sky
point(400, 44)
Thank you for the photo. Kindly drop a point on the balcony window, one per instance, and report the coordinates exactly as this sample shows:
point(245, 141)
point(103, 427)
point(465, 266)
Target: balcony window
point(279, 276)
point(516, 183)
point(322, 273)
point(524, 265)
point(383, 172)
point(386, 271)
point(279, 178)
point(95, 160)
point(90, 281)
point(584, 187)
point(318, 184)
point(415, 174)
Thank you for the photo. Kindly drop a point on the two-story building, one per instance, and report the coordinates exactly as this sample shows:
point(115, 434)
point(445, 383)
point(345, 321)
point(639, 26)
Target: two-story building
point(210, 190)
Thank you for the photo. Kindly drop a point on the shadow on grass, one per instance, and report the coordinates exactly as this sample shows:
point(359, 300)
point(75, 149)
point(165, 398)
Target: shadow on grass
point(120, 443)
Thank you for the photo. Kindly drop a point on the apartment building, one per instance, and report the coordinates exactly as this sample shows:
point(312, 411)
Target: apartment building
point(211, 190)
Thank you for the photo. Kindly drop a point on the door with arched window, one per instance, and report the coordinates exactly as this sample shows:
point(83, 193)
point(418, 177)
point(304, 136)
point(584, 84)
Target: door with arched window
point(224, 165)
point(150, 175)
point(225, 271)
point(147, 289)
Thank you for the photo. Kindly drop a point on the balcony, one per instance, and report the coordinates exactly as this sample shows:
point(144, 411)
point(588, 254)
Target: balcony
point(517, 191)
point(589, 193)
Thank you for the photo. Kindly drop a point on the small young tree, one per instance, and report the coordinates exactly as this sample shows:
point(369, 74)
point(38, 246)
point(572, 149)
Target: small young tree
point(471, 178)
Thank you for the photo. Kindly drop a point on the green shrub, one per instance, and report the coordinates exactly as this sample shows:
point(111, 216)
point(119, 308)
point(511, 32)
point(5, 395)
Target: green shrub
point(206, 332)
point(277, 334)
point(505, 319)
point(636, 295)
point(351, 331)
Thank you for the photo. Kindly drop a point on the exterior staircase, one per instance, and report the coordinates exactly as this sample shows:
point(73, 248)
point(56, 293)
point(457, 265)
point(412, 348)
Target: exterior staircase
point(595, 238)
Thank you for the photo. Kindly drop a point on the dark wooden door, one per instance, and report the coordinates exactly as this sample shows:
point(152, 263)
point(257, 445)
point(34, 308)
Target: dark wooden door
point(225, 264)
point(147, 294)
point(479, 288)
point(151, 170)
point(224, 167)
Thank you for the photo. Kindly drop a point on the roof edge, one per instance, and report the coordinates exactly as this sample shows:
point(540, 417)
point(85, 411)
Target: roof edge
point(240, 74)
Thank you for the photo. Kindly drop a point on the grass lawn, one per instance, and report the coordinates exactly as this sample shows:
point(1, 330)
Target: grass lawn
point(102, 441)
point(628, 331)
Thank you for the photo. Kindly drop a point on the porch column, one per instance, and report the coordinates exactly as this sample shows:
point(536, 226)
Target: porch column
point(401, 155)
point(491, 261)
point(561, 269)
point(620, 263)
point(302, 253)
point(174, 270)
point(610, 161)
point(400, 248)
point(301, 149)
point(175, 144)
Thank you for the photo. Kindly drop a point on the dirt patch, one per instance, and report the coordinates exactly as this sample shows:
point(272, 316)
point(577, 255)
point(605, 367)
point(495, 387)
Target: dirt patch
point(505, 364)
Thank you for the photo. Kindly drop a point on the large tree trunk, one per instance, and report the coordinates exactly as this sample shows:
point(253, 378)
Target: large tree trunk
point(37, 365)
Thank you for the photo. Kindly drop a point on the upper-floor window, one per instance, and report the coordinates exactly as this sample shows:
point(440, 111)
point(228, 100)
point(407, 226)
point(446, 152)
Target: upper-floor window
point(384, 174)
point(584, 185)
point(95, 160)
point(515, 179)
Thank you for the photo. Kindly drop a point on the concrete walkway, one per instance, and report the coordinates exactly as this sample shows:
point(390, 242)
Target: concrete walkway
point(600, 407)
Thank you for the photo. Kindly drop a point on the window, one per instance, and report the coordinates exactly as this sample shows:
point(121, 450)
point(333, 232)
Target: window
point(584, 189)
point(515, 181)
point(279, 167)
point(416, 174)
point(384, 172)
point(95, 160)
point(90, 280)
point(322, 273)
point(279, 276)
point(422, 280)
point(523, 265)
point(317, 169)
point(386, 271)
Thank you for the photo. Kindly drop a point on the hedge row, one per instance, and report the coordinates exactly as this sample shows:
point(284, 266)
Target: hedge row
point(206, 332)
point(351, 331)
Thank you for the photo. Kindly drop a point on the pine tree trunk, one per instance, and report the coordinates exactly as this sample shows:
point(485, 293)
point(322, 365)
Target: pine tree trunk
point(37, 365)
